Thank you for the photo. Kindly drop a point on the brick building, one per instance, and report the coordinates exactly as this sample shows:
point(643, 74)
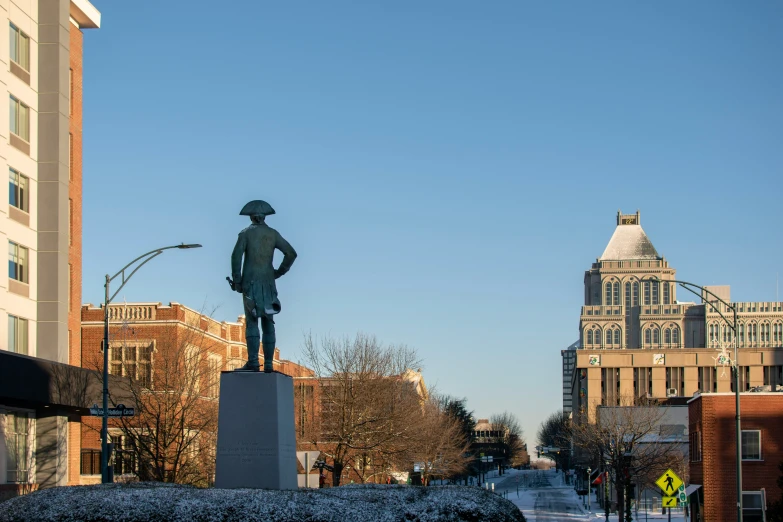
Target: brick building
point(143, 339)
point(713, 453)
point(41, 226)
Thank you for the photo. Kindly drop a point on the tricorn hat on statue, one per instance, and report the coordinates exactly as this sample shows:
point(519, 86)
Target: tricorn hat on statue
point(257, 207)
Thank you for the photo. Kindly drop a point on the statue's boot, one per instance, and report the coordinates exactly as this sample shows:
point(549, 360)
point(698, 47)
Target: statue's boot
point(252, 364)
point(269, 355)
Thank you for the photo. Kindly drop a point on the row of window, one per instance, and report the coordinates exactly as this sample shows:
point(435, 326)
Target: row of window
point(652, 336)
point(135, 360)
point(750, 331)
point(651, 293)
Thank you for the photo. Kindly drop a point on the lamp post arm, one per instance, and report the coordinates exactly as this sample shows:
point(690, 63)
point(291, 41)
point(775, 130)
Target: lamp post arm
point(686, 285)
point(149, 256)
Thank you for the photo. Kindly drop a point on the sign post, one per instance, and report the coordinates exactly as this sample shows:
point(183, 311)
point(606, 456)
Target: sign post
point(672, 487)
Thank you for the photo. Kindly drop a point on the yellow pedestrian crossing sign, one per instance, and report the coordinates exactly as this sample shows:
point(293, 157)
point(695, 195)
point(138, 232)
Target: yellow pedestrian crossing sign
point(669, 502)
point(669, 482)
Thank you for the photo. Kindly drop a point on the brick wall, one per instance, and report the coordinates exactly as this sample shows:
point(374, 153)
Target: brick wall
point(75, 230)
point(714, 415)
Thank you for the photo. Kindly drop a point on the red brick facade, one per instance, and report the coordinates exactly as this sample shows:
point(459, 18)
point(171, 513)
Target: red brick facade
point(75, 234)
point(712, 424)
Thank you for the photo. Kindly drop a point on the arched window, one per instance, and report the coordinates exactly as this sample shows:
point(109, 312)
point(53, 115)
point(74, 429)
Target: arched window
point(655, 287)
point(666, 293)
point(778, 332)
point(589, 337)
point(765, 332)
point(617, 336)
point(608, 298)
point(636, 293)
point(627, 295)
point(648, 336)
point(656, 335)
point(667, 336)
point(647, 292)
point(676, 335)
point(725, 333)
point(752, 330)
point(608, 337)
point(616, 289)
point(742, 332)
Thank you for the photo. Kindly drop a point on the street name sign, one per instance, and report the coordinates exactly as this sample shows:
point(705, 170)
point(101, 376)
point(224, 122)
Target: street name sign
point(669, 482)
point(669, 502)
point(118, 411)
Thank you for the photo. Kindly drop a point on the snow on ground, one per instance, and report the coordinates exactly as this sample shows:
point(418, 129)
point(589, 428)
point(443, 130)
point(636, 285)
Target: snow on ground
point(151, 502)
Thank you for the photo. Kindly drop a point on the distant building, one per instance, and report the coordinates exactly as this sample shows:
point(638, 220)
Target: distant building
point(637, 340)
point(569, 363)
point(713, 450)
point(40, 229)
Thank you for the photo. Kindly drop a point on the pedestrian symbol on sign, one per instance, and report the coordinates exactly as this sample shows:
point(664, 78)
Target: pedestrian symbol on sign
point(669, 480)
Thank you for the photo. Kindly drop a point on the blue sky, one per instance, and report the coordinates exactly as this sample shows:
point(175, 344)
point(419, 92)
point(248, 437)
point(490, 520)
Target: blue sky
point(446, 170)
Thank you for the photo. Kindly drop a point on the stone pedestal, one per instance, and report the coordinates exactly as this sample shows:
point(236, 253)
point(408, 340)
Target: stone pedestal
point(256, 444)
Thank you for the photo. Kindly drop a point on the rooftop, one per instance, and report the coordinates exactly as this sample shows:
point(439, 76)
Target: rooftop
point(629, 242)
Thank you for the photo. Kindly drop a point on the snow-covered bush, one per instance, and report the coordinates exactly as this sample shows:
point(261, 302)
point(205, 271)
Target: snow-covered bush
point(156, 502)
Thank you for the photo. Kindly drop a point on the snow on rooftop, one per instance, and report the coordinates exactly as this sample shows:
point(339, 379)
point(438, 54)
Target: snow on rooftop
point(629, 242)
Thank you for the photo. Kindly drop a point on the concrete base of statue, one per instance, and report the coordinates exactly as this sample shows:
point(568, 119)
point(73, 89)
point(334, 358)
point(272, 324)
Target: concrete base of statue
point(256, 440)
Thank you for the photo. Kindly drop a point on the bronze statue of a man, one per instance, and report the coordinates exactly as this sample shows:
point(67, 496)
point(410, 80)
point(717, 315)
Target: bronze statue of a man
point(255, 280)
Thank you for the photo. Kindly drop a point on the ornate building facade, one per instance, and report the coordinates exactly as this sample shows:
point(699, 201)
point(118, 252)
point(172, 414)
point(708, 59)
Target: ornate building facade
point(637, 340)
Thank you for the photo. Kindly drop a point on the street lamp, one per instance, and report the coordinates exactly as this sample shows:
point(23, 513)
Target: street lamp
point(588, 490)
point(733, 325)
point(107, 300)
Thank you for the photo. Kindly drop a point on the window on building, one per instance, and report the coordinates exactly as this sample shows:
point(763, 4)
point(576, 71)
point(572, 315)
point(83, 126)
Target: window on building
point(608, 299)
point(18, 191)
point(610, 386)
point(213, 376)
point(627, 297)
point(752, 331)
point(694, 449)
point(608, 337)
point(777, 333)
point(656, 334)
point(636, 293)
point(646, 292)
point(773, 376)
point(17, 434)
point(20, 48)
point(655, 290)
point(675, 380)
point(764, 332)
point(751, 445)
point(589, 337)
point(17, 262)
point(666, 291)
point(20, 119)
point(676, 335)
point(648, 336)
point(742, 332)
point(132, 360)
point(18, 335)
point(642, 382)
point(616, 291)
point(617, 336)
point(752, 506)
point(667, 336)
point(708, 379)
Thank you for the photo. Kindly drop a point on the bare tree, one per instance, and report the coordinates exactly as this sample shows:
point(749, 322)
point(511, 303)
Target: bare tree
point(366, 402)
point(555, 431)
point(172, 377)
point(512, 443)
point(632, 442)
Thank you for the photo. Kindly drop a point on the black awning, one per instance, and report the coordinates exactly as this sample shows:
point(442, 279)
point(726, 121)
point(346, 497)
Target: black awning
point(31, 382)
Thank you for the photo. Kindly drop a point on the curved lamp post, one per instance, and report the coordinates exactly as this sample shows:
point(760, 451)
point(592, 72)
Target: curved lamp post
point(733, 325)
point(142, 260)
